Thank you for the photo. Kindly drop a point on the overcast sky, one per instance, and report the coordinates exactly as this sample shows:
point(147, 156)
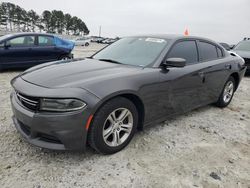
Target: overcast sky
point(220, 20)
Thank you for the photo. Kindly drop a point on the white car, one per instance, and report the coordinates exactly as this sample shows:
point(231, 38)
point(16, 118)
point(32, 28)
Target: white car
point(83, 41)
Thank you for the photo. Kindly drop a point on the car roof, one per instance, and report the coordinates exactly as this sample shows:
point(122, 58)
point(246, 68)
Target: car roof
point(9, 36)
point(173, 37)
point(29, 33)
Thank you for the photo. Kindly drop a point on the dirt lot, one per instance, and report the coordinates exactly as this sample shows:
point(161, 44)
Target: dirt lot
point(209, 147)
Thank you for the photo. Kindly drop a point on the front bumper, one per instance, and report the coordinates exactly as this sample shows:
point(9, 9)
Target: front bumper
point(49, 130)
point(57, 131)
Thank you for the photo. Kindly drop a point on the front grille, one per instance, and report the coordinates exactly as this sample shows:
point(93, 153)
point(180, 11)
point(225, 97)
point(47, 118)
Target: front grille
point(48, 138)
point(31, 103)
point(41, 136)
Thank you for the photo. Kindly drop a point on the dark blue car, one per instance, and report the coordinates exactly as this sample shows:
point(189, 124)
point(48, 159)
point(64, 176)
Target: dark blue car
point(24, 50)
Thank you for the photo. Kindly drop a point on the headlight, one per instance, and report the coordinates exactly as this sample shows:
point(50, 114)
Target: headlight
point(61, 105)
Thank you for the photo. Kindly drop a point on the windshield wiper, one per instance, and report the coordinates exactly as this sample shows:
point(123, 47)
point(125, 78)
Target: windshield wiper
point(110, 60)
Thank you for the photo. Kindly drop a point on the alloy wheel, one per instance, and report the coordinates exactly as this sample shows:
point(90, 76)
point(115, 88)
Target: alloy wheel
point(65, 58)
point(228, 91)
point(117, 127)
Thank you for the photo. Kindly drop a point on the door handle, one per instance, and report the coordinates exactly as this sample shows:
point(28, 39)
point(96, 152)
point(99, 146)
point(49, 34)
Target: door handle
point(228, 66)
point(201, 74)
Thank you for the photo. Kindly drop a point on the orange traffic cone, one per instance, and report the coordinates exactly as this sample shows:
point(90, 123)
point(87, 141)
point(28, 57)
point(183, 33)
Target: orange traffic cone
point(186, 33)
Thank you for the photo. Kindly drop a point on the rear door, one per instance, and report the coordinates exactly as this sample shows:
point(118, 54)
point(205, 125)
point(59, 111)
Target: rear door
point(18, 51)
point(216, 71)
point(46, 49)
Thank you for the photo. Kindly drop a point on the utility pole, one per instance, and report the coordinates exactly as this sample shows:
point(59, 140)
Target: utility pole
point(100, 30)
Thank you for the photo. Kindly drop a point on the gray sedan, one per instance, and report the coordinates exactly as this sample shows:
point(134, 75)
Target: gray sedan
point(136, 81)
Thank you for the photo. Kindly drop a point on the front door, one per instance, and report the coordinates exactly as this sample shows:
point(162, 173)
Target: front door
point(182, 88)
point(17, 51)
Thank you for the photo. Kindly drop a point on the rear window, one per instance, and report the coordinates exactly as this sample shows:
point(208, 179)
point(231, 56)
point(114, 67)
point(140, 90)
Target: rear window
point(45, 41)
point(207, 51)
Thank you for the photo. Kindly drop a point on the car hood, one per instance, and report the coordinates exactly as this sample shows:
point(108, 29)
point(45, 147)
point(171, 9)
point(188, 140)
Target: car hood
point(79, 73)
point(243, 54)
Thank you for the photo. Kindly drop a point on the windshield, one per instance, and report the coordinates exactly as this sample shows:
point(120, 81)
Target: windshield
point(243, 46)
point(138, 51)
point(5, 37)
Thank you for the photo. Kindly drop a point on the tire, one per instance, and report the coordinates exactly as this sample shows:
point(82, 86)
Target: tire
point(87, 44)
point(101, 125)
point(224, 100)
point(65, 57)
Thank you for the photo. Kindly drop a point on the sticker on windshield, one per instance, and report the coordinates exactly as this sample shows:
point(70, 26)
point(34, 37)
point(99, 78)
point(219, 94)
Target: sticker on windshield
point(154, 40)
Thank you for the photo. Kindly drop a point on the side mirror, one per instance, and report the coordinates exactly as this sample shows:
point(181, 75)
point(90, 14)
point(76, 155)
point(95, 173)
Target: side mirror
point(174, 62)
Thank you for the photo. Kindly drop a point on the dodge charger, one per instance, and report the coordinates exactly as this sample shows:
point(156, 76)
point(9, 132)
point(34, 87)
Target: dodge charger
point(102, 100)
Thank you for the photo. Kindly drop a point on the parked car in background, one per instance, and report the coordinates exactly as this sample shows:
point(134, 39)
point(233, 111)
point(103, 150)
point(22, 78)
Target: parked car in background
point(94, 38)
point(103, 40)
point(82, 41)
point(108, 41)
point(101, 101)
point(24, 50)
point(99, 39)
point(243, 50)
point(225, 45)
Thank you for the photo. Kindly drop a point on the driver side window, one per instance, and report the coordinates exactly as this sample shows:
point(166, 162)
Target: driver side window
point(186, 50)
point(21, 41)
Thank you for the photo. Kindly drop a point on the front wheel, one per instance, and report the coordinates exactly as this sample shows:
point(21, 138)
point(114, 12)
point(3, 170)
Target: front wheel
point(113, 126)
point(227, 93)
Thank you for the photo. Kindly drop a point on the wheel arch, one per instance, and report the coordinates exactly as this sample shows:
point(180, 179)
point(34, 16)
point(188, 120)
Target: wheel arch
point(236, 77)
point(63, 55)
point(133, 97)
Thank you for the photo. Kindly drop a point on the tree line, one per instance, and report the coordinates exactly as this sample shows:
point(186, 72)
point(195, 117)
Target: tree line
point(15, 18)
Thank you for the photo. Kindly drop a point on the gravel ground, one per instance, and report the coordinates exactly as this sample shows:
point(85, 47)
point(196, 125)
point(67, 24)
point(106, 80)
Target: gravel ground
point(208, 147)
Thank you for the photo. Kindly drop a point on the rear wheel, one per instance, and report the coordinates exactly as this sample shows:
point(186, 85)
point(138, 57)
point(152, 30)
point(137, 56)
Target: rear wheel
point(65, 57)
point(113, 126)
point(227, 93)
point(87, 44)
